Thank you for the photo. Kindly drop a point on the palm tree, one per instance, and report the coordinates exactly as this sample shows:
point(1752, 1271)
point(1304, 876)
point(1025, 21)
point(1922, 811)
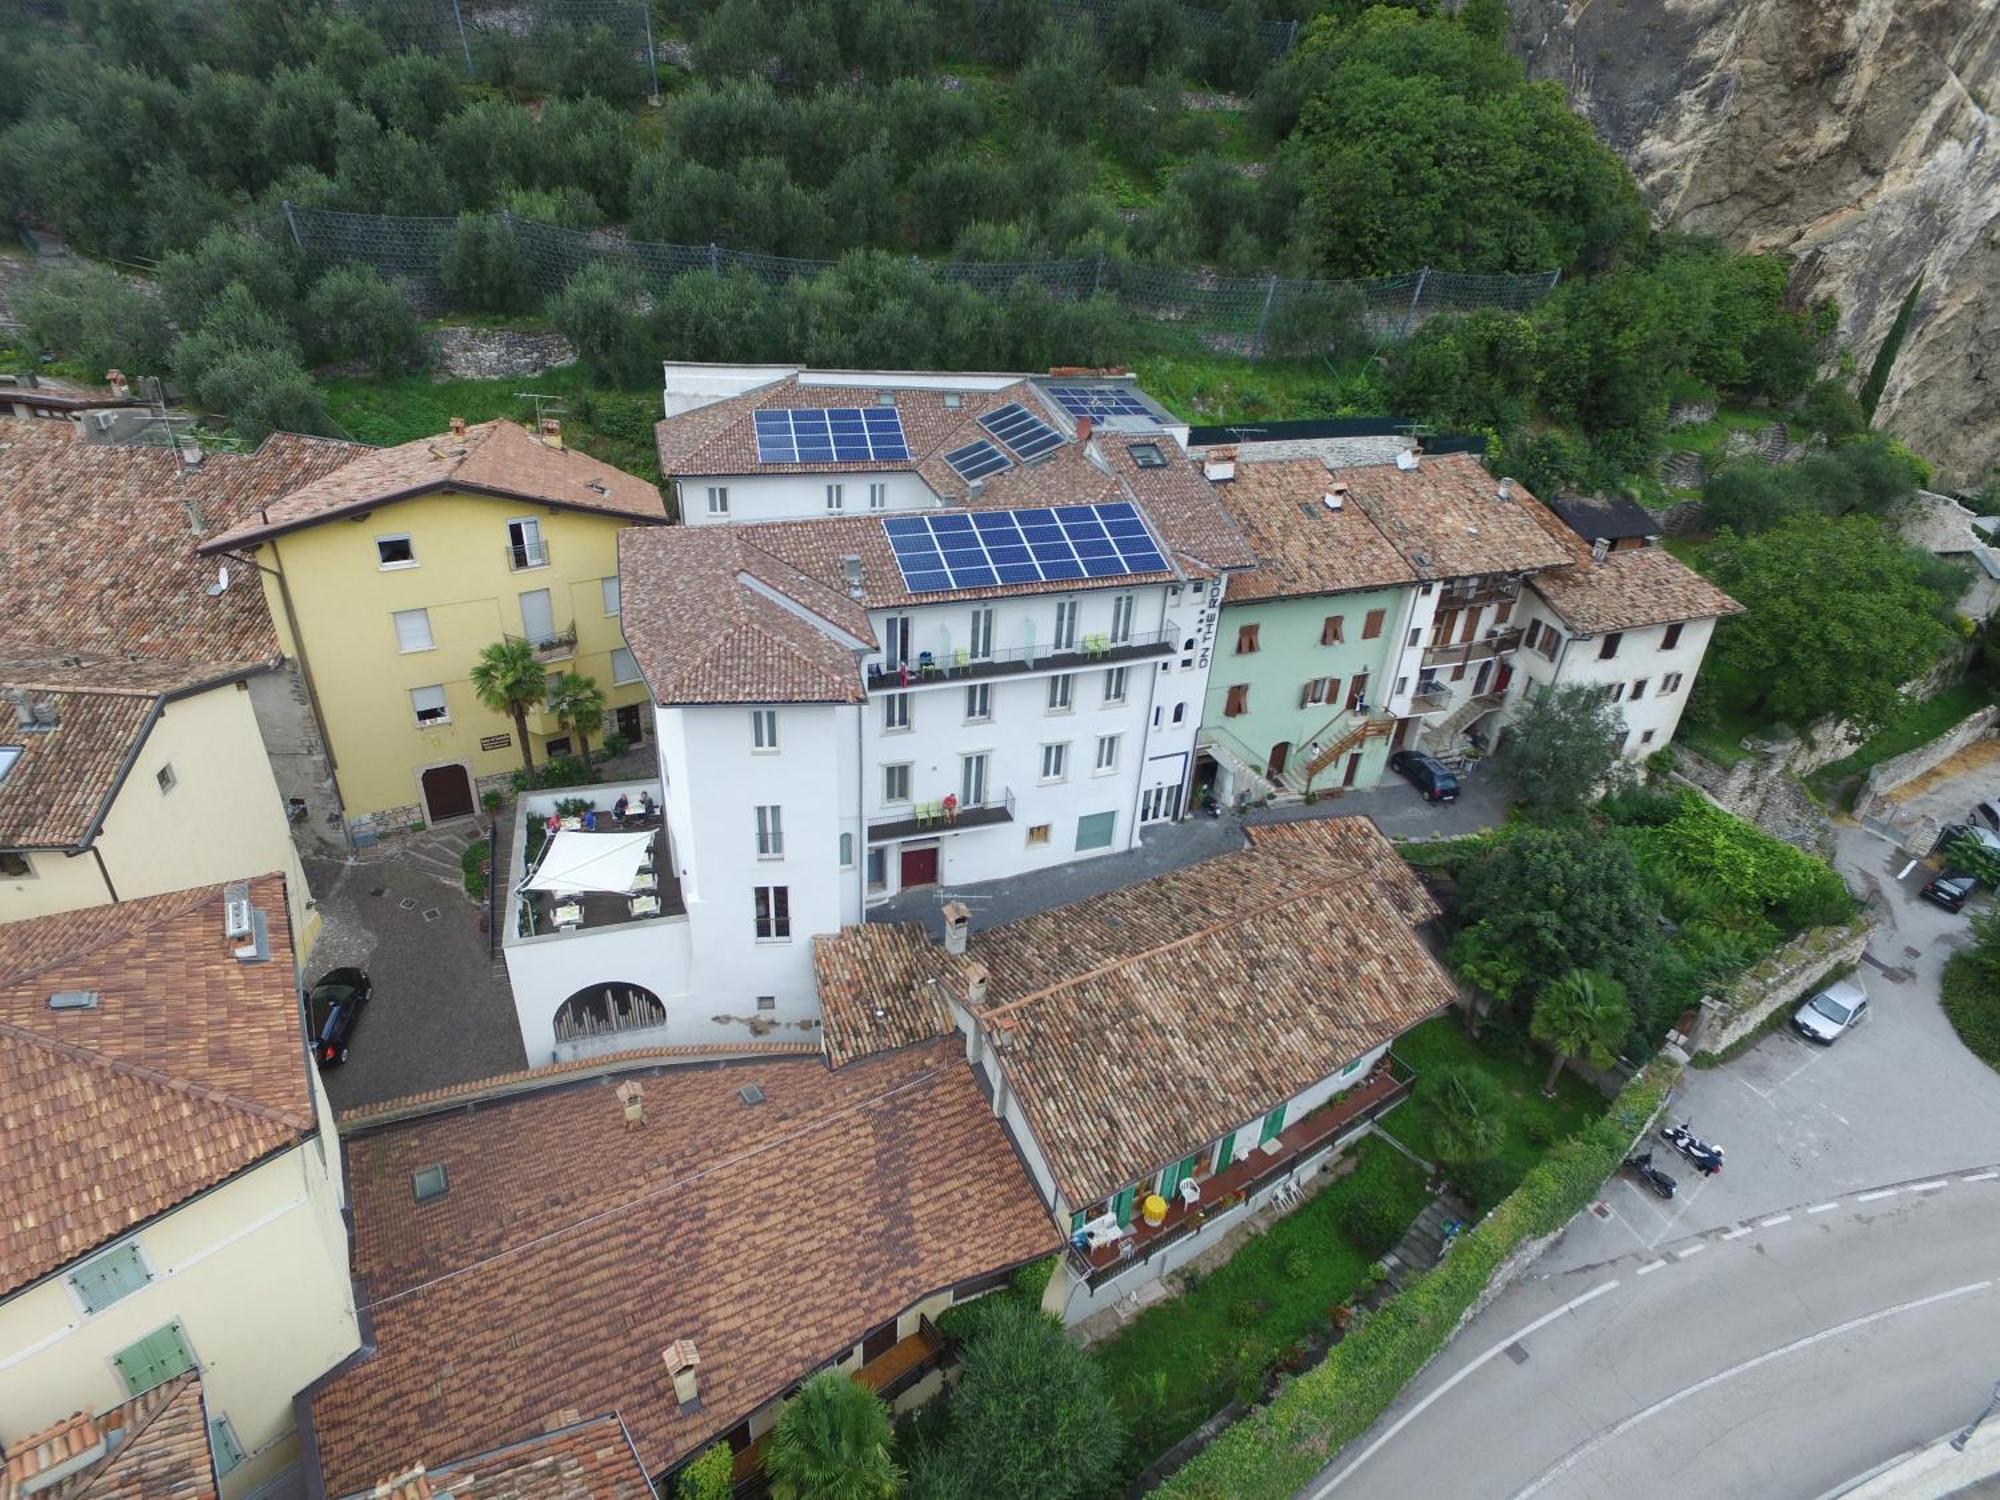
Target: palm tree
point(578, 704)
point(1472, 1113)
point(1582, 1014)
point(510, 681)
point(832, 1443)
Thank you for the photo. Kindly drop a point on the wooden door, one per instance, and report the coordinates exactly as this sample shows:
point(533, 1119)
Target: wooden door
point(447, 793)
point(920, 867)
point(1280, 753)
point(1485, 673)
point(632, 723)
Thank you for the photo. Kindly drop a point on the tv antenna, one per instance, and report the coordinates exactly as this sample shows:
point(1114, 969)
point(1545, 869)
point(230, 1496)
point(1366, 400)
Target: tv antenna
point(545, 406)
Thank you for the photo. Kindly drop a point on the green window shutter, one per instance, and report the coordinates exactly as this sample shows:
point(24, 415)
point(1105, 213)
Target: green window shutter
point(154, 1360)
point(1170, 1181)
point(1122, 1206)
point(222, 1443)
point(109, 1278)
point(1227, 1154)
point(1094, 830)
point(1190, 1166)
point(1076, 1221)
point(1273, 1123)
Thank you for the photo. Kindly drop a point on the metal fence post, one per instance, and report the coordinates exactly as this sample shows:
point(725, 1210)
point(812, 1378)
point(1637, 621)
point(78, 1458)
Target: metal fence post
point(1292, 39)
point(714, 259)
point(292, 223)
point(1097, 281)
point(1264, 317)
point(1410, 317)
point(463, 45)
point(652, 62)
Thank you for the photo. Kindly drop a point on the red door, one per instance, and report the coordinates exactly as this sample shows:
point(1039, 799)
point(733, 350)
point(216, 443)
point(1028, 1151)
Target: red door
point(920, 867)
point(447, 793)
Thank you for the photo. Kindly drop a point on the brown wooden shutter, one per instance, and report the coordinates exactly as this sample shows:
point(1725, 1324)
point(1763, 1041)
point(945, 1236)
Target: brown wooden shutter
point(1331, 632)
point(1372, 626)
point(1238, 701)
point(1672, 638)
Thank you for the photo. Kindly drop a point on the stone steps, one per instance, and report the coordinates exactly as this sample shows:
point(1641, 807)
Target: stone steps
point(1684, 470)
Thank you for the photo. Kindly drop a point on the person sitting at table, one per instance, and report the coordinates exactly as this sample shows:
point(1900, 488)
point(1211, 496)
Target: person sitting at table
point(646, 804)
point(618, 807)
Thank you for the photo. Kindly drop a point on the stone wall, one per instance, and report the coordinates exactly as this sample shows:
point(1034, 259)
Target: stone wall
point(1780, 980)
point(1897, 769)
point(457, 353)
point(1761, 788)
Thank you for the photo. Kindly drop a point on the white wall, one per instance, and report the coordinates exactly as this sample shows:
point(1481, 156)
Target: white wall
point(546, 970)
point(790, 497)
point(1640, 658)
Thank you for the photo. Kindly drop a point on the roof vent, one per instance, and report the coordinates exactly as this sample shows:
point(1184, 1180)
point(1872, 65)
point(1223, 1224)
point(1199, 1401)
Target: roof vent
point(976, 977)
point(1407, 460)
point(429, 1183)
point(596, 485)
point(1335, 498)
point(73, 1000)
point(236, 910)
point(120, 386)
point(458, 427)
point(258, 949)
point(1217, 469)
point(1505, 492)
point(34, 715)
point(953, 401)
point(1599, 548)
point(552, 433)
point(683, 1362)
point(193, 508)
point(190, 453)
point(632, 1096)
point(850, 569)
point(750, 1093)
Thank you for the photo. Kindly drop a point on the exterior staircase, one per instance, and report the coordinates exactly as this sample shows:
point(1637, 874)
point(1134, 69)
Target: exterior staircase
point(1422, 1245)
point(1362, 729)
point(1443, 736)
point(1774, 444)
point(1684, 470)
point(1244, 763)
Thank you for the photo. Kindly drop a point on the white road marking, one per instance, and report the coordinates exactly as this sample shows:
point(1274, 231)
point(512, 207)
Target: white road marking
point(1774, 1221)
point(1738, 1233)
point(1822, 1208)
point(1649, 1269)
point(1694, 1249)
point(1926, 1187)
point(1422, 1406)
point(1980, 1177)
point(1878, 1193)
point(1618, 1429)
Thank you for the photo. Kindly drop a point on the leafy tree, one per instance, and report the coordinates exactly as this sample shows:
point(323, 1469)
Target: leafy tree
point(411, 92)
point(262, 390)
point(578, 705)
point(1472, 1112)
point(1838, 615)
point(1582, 1014)
point(1058, 86)
point(482, 267)
point(193, 281)
point(95, 318)
point(487, 148)
point(356, 314)
point(1146, 38)
point(1561, 748)
point(707, 1478)
point(508, 680)
point(597, 310)
point(1031, 1419)
point(832, 1443)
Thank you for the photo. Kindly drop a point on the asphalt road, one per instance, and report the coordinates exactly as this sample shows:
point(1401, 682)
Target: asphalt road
point(1777, 1358)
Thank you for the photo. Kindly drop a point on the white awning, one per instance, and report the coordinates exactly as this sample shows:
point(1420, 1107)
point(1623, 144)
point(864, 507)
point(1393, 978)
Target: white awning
point(577, 861)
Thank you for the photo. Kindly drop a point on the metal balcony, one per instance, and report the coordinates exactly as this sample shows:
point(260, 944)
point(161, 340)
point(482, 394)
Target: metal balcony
point(928, 668)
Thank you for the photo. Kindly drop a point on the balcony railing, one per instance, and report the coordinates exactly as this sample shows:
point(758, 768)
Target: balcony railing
point(905, 1363)
point(934, 817)
point(1382, 1090)
point(928, 667)
point(1433, 699)
point(522, 559)
point(1491, 644)
point(557, 647)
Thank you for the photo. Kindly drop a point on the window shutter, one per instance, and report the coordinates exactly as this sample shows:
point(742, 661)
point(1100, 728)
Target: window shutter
point(109, 1278)
point(222, 1442)
point(413, 629)
point(1330, 632)
point(154, 1360)
point(1372, 626)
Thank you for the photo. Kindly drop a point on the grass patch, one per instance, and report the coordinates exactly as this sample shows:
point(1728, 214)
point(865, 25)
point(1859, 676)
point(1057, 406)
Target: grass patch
point(1708, 438)
point(1217, 388)
point(1176, 1365)
point(1972, 1005)
point(1918, 724)
point(472, 867)
point(1533, 1123)
point(615, 426)
point(1719, 736)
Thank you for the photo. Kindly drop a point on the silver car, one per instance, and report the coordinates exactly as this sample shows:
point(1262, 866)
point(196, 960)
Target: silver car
point(1832, 1013)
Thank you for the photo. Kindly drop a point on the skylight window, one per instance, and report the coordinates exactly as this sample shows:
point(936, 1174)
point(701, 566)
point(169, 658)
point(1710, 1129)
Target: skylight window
point(10, 756)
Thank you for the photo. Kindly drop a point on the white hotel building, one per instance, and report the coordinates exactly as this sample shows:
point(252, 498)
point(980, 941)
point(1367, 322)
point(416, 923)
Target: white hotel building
point(918, 632)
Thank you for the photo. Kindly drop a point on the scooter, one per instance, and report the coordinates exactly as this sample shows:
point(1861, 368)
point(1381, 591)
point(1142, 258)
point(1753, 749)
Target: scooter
point(1705, 1158)
point(1651, 1175)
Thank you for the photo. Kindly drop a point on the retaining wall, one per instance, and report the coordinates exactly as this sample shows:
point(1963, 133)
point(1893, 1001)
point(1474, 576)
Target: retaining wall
point(1898, 769)
point(1780, 980)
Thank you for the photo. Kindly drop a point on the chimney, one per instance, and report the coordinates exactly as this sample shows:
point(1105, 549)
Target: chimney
point(1506, 490)
point(1598, 548)
point(411, 1484)
point(1220, 465)
point(49, 1457)
point(556, 1421)
point(1408, 458)
point(957, 926)
point(120, 387)
point(190, 453)
point(682, 1363)
point(631, 1094)
point(1083, 426)
point(458, 427)
point(976, 976)
point(850, 569)
point(196, 523)
point(1335, 497)
point(34, 715)
point(551, 433)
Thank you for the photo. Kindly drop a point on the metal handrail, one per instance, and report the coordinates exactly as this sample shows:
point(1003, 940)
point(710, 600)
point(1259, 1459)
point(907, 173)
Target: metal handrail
point(526, 559)
point(956, 665)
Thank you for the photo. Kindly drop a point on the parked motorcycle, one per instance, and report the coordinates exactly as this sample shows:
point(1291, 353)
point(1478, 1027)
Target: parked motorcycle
point(1706, 1158)
point(1651, 1175)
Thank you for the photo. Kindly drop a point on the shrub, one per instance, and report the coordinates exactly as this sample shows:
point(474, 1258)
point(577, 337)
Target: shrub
point(707, 1478)
point(1371, 1212)
point(95, 318)
point(562, 770)
point(359, 315)
point(482, 266)
point(1972, 1005)
point(472, 867)
point(1472, 1112)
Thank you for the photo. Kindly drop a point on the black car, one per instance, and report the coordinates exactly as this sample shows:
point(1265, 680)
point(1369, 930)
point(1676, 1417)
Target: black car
point(332, 1010)
point(1952, 889)
point(1426, 773)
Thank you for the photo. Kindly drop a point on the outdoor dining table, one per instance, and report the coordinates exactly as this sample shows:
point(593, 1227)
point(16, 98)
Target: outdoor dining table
point(569, 914)
point(645, 906)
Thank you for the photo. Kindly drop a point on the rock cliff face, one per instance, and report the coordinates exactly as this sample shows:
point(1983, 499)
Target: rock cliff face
point(1854, 134)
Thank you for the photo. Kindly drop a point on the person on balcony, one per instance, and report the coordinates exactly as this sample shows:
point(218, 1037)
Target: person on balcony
point(951, 807)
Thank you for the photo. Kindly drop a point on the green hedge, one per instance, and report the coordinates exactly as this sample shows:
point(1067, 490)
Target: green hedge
point(1280, 1446)
point(1972, 1003)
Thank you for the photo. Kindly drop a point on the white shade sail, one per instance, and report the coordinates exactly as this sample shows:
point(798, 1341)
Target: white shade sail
point(577, 861)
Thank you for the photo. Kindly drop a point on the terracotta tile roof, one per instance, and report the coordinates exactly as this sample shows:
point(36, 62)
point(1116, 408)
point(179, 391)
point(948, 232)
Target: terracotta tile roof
point(568, 1251)
point(1140, 1025)
point(492, 458)
point(161, 1450)
point(1302, 547)
point(100, 544)
point(113, 1114)
point(721, 438)
point(590, 1460)
point(1445, 517)
point(66, 777)
point(1624, 590)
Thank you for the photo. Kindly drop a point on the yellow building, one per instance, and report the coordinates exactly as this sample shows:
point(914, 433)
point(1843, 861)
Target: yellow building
point(121, 779)
point(386, 578)
point(171, 1186)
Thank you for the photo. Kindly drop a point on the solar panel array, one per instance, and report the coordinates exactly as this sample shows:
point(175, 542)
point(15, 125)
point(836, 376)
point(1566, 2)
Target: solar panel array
point(977, 460)
point(830, 434)
point(1100, 401)
point(1048, 544)
point(1020, 429)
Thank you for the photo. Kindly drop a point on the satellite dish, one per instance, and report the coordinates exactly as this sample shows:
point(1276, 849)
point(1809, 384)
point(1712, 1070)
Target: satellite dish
point(217, 588)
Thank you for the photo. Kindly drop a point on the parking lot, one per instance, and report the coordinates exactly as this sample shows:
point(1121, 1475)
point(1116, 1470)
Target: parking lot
point(1896, 1100)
